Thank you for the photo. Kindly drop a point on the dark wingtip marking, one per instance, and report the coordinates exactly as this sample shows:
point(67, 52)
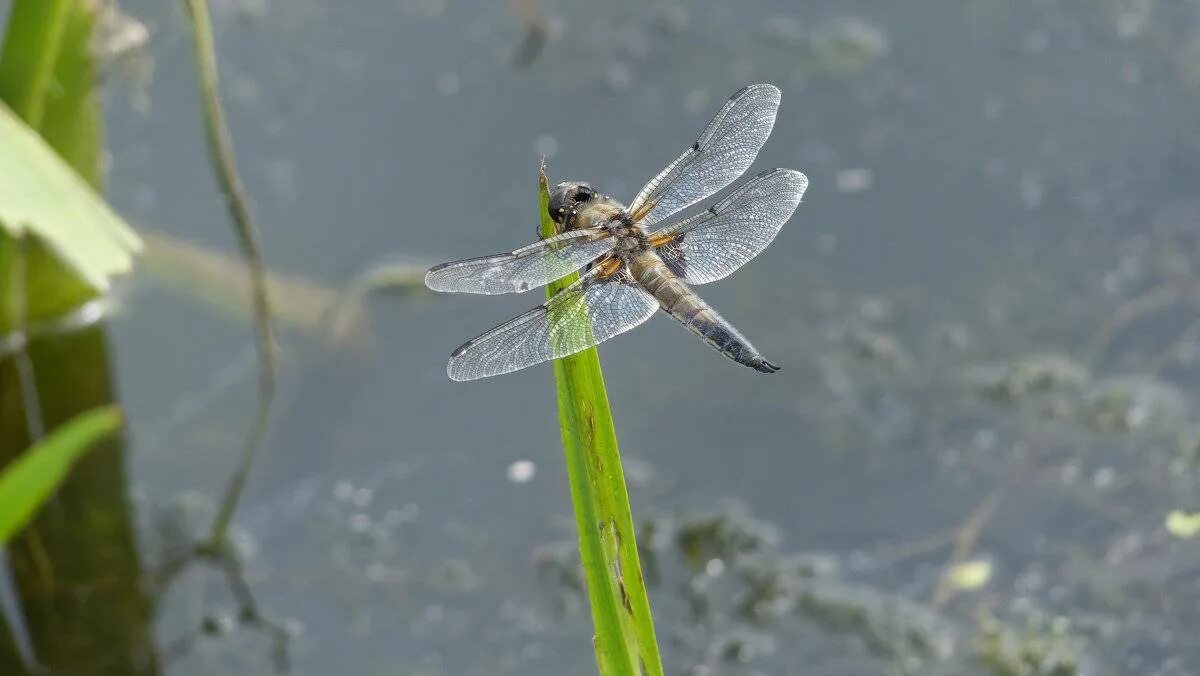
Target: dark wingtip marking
point(747, 88)
point(741, 91)
point(438, 268)
point(461, 348)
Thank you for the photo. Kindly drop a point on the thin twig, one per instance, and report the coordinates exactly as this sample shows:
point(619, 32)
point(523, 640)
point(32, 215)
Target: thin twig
point(249, 615)
point(1157, 298)
point(220, 146)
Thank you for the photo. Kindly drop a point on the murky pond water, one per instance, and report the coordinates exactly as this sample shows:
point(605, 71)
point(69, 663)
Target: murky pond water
point(984, 312)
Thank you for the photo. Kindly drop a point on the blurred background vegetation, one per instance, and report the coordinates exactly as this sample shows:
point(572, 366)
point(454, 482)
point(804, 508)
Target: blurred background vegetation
point(980, 457)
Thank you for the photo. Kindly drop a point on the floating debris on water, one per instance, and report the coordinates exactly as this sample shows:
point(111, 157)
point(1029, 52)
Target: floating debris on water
point(970, 575)
point(1039, 375)
point(1034, 650)
point(728, 533)
point(1183, 525)
point(1132, 403)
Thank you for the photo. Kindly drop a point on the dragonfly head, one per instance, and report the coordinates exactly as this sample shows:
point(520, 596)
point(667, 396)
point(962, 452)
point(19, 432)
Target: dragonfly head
point(567, 198)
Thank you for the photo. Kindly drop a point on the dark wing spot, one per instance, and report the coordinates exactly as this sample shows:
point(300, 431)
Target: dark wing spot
point(738, 93)
point(461, 348)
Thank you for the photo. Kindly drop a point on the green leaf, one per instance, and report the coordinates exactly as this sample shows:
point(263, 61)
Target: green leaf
point(30, 479)
point(47, 77)
point(41, 194)
point(624, 642)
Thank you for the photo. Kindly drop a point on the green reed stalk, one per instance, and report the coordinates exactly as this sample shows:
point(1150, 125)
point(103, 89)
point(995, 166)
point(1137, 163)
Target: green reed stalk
point(624, 640)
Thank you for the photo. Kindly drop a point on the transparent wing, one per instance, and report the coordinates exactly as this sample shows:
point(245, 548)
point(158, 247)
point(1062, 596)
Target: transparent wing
point(711, 245)
point(526, 268)
point(725, 149)
point(587, 313)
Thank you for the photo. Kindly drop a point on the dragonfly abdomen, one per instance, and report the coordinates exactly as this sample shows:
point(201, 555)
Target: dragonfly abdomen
point(685, 305)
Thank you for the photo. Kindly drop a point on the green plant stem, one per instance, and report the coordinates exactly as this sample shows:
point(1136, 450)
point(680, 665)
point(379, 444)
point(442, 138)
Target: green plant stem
point(220, 146)
point(614, 655)
point(625, 641)
point(29, 57)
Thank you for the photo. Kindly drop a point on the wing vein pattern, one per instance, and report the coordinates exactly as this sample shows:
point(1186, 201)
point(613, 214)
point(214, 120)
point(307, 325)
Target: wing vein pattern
point(724, 150)
point(526, 268)
point(712, 244)
point(587, 313)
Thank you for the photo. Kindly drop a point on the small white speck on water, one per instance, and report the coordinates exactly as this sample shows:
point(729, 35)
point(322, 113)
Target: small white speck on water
point(714, 568)
point(243, 544)
point(343, 491)
point(522, 471)
point(854, 180)
point(293, 627)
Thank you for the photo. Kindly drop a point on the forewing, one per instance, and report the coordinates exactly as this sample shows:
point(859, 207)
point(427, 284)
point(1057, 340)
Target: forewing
point(712, 244)
point(587, 313)
point(725, 149)
point(526, 268)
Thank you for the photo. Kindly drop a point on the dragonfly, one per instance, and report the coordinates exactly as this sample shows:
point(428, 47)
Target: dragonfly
point(640, 258)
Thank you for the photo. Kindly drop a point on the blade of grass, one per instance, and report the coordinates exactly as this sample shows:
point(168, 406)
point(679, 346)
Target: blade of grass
point(624, 642)
point(30, 479)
